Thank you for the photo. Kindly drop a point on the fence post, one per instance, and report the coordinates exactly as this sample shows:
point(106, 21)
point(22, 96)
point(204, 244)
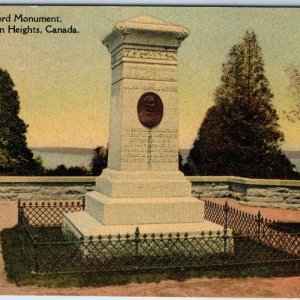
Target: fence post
point(137, 240)
point(226, 211)
point(35, 259)
point(225, 236)
point(259, 224)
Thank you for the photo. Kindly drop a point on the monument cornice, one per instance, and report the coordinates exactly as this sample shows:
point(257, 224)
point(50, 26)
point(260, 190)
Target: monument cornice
point(143, 30)
point(178, 32)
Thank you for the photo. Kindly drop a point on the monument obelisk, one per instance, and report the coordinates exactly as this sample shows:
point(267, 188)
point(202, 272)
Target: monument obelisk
point(142, 185)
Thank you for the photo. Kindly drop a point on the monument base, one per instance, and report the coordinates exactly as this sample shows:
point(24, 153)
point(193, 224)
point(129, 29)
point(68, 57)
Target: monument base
point(129, 211)
point(82, 224)
point(142, 184)
point(106, 216)
point(116, 218)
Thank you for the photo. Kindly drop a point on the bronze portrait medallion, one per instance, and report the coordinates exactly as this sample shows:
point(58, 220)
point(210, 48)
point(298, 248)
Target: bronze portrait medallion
point(150, 109)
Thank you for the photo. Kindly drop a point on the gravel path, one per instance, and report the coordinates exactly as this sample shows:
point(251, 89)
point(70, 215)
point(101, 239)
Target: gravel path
point(288, 287)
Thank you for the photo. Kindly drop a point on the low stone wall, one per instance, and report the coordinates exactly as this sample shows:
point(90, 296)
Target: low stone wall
point(258, 192)
point(45, 188)
point(255, 192)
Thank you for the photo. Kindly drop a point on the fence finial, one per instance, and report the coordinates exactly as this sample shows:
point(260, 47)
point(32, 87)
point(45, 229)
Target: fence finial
point(137, 232)
point(226, 206)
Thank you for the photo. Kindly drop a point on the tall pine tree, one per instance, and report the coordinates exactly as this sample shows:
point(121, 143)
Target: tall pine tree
point(240, 134)
point(293, 73)
point(15, 157)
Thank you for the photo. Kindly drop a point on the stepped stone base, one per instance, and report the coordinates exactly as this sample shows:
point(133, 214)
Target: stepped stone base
point(105, 215)
point(145, 184)
point(127, 211)
point(82, 224)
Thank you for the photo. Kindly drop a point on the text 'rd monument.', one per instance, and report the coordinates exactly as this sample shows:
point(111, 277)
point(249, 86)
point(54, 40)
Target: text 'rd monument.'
point(142, 185)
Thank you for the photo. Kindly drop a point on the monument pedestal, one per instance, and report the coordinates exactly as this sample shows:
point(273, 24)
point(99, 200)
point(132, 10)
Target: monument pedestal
point(82, 224)
point(123, 211)
point(142, 186)
point(106, 213)
point(156, 202)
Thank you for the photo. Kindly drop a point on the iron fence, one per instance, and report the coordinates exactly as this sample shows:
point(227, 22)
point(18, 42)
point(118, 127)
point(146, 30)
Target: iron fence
point(47, 213)
point(255, 227)
point(48, 250)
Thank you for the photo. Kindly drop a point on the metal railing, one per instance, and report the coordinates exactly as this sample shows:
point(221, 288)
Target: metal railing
point(47, 213)
point(254, 226)
point(48, 250)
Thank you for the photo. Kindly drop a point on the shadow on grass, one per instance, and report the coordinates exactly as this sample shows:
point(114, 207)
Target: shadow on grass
point(18, 272)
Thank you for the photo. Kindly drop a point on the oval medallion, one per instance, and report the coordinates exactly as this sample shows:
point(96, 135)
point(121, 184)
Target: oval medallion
point(150, 109)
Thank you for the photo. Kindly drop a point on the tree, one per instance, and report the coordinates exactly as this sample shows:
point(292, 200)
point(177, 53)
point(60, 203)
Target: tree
point(293, 73)
point(62, 170)
point(99, 160)
point(240, 134)
point(15, 157)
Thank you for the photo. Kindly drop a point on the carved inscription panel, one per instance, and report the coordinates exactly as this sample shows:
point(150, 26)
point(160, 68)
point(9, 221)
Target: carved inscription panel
point(149, 146)
point(151, 87)
point(148, 72)
point(144, 72)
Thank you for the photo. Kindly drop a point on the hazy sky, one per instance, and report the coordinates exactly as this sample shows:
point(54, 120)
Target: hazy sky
point(63, 80)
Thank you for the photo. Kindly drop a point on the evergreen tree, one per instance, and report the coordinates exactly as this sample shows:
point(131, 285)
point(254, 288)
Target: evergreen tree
point(15, 157)
point(99, 160)
point(240, 134)
point(293, 73)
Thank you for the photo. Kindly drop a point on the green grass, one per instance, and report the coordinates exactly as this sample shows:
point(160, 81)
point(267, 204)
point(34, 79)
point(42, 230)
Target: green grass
point(19, 273)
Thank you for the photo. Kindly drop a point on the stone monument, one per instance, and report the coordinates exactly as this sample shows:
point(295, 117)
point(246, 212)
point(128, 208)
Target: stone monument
point(142, 185)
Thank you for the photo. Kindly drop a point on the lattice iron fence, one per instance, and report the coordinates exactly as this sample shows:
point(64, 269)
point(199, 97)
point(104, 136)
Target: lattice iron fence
point(255, 227)
point(48, 250)
point(47, 213)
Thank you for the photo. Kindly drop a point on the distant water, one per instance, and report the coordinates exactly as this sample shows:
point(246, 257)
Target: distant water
point(53, 159)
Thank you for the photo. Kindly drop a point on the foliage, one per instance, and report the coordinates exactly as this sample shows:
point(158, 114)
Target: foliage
point(99, 160)
point(98, 163)
point(293, 73)
point(15, 157)
point(240, 134)
point(62, 170)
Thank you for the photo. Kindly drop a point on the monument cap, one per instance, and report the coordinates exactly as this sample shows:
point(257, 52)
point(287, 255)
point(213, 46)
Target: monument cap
point(149, 28)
